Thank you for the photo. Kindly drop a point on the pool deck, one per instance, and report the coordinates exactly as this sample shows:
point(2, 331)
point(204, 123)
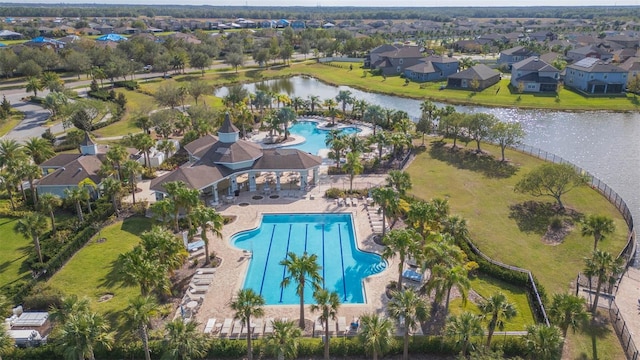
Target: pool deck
point(229, 276)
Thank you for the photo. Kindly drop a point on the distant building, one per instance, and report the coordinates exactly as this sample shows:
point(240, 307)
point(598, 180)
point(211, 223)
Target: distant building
point(484, 75)
point(593, 76)
point(534, 75)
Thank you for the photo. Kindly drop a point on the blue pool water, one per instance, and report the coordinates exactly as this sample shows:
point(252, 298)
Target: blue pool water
point(315, 138)
point(329, 236)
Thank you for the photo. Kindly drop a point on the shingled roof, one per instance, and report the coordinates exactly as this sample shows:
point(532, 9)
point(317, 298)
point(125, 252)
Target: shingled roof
point(74, 172)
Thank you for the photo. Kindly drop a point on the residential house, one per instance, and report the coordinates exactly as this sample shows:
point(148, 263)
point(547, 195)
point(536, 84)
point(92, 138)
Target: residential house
point(298, 24)
point(534, 75)
point(632, 66)
point(624, 40)
point(394, 62)
point(68, 171)
point(104, 29)
point(375, 53)
point(511, 56)
point(590, 51)
point(492, 39)
point(484, 75)
point(432, 68)
point(594, 76)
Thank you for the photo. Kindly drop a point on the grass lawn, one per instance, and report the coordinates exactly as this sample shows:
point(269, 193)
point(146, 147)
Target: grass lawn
point(486, 286)
point(496, 95)
point(497, 222)
point(7, 125)
point(15, 249)
point(593, 340)
point(91, 271)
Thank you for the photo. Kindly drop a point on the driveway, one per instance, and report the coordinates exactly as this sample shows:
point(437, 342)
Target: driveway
point(35, 116)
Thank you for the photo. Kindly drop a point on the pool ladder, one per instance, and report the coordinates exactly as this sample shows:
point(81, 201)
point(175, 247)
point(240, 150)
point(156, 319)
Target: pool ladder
point(378, 267)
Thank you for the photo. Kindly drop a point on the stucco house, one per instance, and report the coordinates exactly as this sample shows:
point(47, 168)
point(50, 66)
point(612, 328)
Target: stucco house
point(432, 68)
point(511, 56)
point(485, 76)
point(534, 75)
point(394, 62)
point(590, 51)
point(229, 163)
point(593, 76)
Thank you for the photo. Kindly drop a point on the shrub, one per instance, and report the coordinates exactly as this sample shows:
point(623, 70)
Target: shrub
point(128, 84)
point(334, 193)
point(556, 222)
point(99, 94)
point(42, 297)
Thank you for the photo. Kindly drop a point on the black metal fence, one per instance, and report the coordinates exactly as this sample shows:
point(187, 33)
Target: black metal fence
point(627, 253)
point(626, 339)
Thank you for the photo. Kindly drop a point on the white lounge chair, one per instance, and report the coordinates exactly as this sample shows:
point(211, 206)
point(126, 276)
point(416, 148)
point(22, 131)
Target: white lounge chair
point(198, 289)
point(203, 271)
point(201, 282)
point(268, 327)
point(342, 325)
point(237, 328)
point(226, 327)
point(256, 332)
point(211, 324)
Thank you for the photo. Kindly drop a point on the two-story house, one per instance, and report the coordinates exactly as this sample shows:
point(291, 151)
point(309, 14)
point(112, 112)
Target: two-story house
point(593, 76)
point(432, 68)
point(511, 56)
point(591, 51)
point(394, 62)
point(534, 75)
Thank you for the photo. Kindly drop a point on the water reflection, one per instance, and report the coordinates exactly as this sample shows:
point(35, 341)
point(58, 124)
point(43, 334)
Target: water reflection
point(603, 143)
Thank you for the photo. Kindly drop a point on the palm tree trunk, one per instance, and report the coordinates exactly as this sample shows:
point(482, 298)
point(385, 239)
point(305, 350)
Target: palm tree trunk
point(13, 205)
point(400, 268)
point(89, 205)
point(405, 350)
point(249, 350)
point(133, 190)
point(301, 322)
point(384, 222)
point(79, 211)
point(53, 221)
point(491, 330)
point(145, 343)
point(36, 242)
point(115, 204)
point(203, 235)
point(375, 354)
point(446, 303)
point(34, 193)
point(24, 194)
point(326, 338)
point(594, 307)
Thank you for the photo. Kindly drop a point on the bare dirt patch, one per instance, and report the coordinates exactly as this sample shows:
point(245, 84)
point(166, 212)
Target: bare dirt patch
point(555, 236)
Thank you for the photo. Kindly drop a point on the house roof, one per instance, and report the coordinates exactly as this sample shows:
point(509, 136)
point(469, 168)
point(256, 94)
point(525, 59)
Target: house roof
point(518, 50)
point(87, 140)
point(404, 52)
point(72, 173)
point(587, 50)
point(534, 77)
point(60, 160)
point(593, 65)
point(196, 177)
point(111, 37)
point(229, 153)
point(480, 72)
point(549, 57)
point(441, 59)
point(287, 159)
point(533, 64)
point(631, 64)
point(423, 68)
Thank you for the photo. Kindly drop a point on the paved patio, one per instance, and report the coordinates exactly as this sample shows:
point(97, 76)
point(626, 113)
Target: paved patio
point(229, 276)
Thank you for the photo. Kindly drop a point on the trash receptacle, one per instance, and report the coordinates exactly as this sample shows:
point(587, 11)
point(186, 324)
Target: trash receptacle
point(237, 192)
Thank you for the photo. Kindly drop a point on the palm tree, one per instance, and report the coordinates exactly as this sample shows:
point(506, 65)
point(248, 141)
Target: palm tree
point(374, 114)
point(303, 270)
point(130, 171)
point(39, 149)
point(138, 269)
point(605, 268)
point(31, 172)
point(8, 182)
point(327, 303)
point(359, 107)
point(463, 328)
point(568, 311)
point(337, 143)
point(344, 97)
point(113, 189)
point(314, 101)
point(32, 226)
point(82, 332)
point(283, 342)
point(162, 246)
point(399, 180)
point(248, 304)
point(330, 104)
point(544, 342)
point(162, 210)
point(353, 166)
point(187, 199)
point(388, 200)
point(69, 305)
point(11, 152)
point(598, 226)
point(183, 341)
point(444, 278)
point(138, 314)
point(167, 147)
point(76, 196)
point(285, 116)
point(376, 334)
point(381, 139)
point(409, 309)
point(498, 310)
point(34, 84)
point(403, 243)
point(48, 203)
point(207, 219)
point(422, 217)
point(116, 155)
point(144, 143)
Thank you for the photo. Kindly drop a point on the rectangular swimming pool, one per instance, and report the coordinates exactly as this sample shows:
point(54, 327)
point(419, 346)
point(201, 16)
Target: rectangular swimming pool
point(330, 236)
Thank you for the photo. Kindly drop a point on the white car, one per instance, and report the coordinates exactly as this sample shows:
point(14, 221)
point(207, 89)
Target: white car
point(148, 68)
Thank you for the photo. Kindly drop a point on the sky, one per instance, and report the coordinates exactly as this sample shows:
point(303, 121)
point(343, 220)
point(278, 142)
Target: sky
point(367, 3)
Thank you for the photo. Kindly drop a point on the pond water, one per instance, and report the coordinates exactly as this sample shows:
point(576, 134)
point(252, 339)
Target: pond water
point(604, 143)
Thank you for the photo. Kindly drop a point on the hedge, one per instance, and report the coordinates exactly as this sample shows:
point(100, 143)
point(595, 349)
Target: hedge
point(237, 349)
point(129, 84)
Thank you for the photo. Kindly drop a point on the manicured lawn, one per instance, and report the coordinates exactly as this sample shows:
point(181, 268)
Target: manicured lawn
point(497, 95)
point(11, 122)
point(594, 340)
point(91, 271)
point(498, 224)
point(15, 250)
point(486, 286)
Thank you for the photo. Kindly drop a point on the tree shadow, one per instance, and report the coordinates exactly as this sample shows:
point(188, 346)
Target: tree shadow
point(597, 328)
point(136, 225)
point(113, 279)
point(535, 216)
point(472, 160)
